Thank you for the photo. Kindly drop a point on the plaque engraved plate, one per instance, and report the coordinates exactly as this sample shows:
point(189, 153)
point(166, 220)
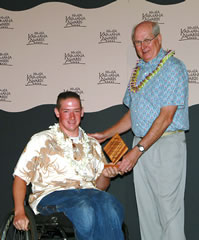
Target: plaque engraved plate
point(115, 149)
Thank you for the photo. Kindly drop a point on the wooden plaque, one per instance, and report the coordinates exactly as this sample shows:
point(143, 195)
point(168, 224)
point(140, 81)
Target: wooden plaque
point(115, 148)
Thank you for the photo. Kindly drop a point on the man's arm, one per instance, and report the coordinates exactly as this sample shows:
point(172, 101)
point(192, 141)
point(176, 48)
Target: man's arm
point(123, 125)
point(19, 192)
point(159, 126)
point(103, 181)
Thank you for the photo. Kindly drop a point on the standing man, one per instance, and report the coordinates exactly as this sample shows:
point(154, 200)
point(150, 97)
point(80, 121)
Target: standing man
point(66, 169)
point(157, 97)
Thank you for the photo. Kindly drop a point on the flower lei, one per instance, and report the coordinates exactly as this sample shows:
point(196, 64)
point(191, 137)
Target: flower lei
point(132, 84)
point(81, 167)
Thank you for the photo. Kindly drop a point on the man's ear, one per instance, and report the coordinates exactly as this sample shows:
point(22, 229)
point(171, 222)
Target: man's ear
point(56, 112)
point(159, 38)
point(82, 112)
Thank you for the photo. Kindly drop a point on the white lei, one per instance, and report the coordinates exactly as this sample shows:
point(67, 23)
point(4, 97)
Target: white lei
point(81, 167)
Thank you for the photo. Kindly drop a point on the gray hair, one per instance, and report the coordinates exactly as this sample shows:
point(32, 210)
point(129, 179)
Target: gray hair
point(155, 29)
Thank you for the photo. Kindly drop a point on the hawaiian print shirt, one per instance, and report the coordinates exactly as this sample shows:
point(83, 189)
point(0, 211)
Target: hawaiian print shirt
point(52, 161)
point(168, 87)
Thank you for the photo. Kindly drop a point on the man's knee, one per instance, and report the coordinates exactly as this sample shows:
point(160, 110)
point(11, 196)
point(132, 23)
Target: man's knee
point(112, 207)
point(85, 219)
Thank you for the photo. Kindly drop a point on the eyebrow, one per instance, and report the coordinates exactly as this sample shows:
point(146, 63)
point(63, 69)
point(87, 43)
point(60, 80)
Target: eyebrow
point(72, 108)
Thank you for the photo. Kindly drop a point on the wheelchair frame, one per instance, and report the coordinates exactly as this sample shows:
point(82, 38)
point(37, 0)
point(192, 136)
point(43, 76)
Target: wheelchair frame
point(55, 226)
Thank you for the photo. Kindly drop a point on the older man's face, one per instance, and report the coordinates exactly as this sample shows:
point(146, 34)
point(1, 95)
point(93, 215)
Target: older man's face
point(147, 50)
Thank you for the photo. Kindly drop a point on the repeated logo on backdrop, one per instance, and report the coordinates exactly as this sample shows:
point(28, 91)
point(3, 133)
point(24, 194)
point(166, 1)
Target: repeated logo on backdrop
point(5, 95)
point(36, 79)
point(193, 76)
point(37, 38)
point(189, 33)
point(6, 22)
point(110, 36)
point(74, 57)
point(75, 20)
point(154, 16)
point(106, 37)
point(82, 44)
point(5, 59)
point(109, 77)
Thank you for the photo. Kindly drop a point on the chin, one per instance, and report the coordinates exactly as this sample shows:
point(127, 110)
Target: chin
point(146, 57)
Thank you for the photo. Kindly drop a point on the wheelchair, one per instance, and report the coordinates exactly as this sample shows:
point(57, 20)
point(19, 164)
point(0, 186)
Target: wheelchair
point(55, 226)
point(52, 227)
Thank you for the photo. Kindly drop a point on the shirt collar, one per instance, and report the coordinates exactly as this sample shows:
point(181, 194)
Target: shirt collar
point(76, 139)
point(154, 62)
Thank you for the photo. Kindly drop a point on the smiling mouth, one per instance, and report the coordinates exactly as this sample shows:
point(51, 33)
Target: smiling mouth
point(145, 51)
point(72, 123)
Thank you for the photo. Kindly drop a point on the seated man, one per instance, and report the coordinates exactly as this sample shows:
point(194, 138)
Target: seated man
point(66, 169)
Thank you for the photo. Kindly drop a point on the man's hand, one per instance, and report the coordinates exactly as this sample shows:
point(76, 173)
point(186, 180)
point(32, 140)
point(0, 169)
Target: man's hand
point(21, 222)
point(110, 172)
point(99, 136)
point(19, 192)
point(103, 180)
point(123, 125)
point(129, 160)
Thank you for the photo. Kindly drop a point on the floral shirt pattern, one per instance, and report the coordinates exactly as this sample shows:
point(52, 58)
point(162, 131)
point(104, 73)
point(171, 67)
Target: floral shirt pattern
point(52, 161)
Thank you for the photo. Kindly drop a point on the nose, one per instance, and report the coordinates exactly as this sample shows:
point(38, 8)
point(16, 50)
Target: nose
point(143, 45)
point(72, 115)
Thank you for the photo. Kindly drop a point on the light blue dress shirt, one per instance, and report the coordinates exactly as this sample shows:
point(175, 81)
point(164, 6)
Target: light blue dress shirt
point(168, 87)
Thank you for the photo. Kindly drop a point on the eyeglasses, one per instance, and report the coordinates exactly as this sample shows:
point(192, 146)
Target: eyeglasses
point(146, 41)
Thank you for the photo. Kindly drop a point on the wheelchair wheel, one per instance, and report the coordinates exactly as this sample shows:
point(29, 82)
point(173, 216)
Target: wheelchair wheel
point(9, 232)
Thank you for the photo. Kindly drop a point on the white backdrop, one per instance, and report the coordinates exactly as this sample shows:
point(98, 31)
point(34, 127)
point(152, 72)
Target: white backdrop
point(56, 46)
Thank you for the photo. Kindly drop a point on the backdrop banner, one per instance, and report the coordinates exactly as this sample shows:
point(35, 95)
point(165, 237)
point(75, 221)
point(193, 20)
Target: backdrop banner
point(56, 46)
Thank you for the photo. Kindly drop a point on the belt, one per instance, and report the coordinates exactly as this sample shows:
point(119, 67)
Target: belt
point(170, 133)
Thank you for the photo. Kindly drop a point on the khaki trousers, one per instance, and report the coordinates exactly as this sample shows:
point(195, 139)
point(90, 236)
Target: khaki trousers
point(159, 177)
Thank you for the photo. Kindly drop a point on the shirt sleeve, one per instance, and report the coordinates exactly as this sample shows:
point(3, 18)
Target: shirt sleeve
point(26, 165)
point(127, 98)
point(99, 157)
point(175, 84)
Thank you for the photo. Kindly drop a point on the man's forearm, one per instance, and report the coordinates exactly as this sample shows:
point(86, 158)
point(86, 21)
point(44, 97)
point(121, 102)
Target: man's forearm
point(19, 192)
point(123, 125)
point(102, 182)
point(159, 126)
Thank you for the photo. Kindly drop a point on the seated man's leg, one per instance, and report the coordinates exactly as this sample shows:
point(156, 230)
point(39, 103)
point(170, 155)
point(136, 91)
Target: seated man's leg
point(95, 214)
point(108, 215)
